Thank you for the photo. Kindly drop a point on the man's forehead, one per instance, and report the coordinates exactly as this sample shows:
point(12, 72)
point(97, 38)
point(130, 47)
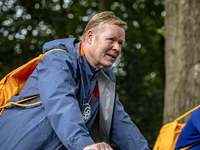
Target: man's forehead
point(116, 34)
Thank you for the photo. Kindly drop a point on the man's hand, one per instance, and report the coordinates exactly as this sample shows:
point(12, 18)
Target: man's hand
point(98, 146)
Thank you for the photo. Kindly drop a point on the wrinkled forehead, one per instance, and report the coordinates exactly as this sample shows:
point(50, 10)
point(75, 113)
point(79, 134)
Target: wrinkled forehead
point(114, 31)
point(111, 28)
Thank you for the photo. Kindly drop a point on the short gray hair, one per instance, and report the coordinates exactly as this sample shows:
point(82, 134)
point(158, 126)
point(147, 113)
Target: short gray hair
point(100, 19)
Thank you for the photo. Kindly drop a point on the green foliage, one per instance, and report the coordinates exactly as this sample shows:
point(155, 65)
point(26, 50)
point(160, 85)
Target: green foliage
point(26, 25)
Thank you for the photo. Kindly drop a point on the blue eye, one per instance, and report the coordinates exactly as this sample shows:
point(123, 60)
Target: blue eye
point(120, 43)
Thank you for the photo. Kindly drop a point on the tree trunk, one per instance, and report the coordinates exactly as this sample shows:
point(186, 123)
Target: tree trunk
point(102, 5)
point(182, 57)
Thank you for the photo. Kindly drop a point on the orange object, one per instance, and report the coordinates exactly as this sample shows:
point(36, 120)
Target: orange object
point(13, 82)
point(169, 133)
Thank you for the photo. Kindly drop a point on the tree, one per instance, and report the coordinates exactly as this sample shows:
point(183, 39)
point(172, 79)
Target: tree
point(182, 57)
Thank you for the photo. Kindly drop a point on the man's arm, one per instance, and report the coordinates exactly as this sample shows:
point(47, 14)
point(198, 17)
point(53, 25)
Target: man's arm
point(57, 91)
point(124, 132)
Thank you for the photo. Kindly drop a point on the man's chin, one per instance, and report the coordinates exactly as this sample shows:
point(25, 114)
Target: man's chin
point(108, 65)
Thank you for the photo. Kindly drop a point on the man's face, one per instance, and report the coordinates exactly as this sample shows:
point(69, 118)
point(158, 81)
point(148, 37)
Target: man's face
point(106, 45)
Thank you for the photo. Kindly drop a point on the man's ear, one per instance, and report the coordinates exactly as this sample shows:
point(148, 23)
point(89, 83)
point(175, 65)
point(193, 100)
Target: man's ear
point(89, 36)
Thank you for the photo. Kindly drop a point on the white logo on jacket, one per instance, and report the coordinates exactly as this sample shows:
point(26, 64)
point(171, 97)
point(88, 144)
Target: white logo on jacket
point(86, 112)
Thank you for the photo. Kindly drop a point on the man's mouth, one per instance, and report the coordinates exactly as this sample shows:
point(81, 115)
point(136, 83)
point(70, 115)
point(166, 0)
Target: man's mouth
point(111, 55)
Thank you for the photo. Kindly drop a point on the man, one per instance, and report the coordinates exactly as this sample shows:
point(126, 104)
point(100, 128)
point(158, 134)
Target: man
point(79, 110)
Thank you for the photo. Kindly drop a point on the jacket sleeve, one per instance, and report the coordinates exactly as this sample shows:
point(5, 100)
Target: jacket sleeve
point(57, 88)
point(124, 132)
